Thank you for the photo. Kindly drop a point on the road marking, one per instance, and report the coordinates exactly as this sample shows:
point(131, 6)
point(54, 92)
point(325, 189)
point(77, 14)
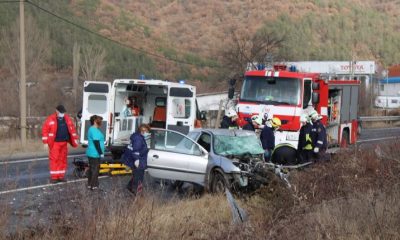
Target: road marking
point(36, 159)
point(46, 185)
point(376, 139)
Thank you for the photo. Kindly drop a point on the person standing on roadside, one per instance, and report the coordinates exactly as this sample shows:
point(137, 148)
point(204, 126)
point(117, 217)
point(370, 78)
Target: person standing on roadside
point(253, 123)
point(229, 120)
point(318, 137)
point(94, 151)
point(305, 144)
point(57, 131)
point(135, 156)
point(267, 136)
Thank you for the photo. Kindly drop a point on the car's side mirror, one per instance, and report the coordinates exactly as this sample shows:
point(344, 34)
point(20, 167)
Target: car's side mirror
point(204, 153)
point(315, 98)
point(203, 115)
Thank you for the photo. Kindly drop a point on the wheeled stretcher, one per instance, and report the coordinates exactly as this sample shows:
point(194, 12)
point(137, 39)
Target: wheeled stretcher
point(106, 167)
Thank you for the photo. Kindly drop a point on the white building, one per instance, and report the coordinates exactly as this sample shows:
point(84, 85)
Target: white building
point(389, 93)
point(389, 86)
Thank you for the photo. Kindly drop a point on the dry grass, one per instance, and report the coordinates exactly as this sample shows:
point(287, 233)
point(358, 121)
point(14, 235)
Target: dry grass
point(354, 196)
point(147, 217)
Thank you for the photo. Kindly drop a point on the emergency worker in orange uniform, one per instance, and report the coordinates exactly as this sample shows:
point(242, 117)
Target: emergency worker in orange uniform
point(58, 130)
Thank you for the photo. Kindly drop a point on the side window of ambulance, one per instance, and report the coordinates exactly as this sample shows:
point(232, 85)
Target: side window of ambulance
point(97, 104)
point(181, 108)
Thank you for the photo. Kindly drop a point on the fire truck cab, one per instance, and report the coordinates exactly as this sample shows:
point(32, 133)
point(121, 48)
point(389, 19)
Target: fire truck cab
point(287, 94)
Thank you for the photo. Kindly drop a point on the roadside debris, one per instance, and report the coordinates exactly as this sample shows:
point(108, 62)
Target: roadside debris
point(239, 215)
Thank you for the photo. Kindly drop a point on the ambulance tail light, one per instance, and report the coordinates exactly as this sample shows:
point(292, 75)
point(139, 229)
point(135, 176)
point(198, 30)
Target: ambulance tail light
point(110, 122)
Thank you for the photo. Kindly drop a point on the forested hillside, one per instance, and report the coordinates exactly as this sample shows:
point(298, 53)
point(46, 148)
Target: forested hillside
point(191, 39)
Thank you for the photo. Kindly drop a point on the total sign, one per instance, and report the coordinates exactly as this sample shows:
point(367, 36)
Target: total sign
point(336, 67)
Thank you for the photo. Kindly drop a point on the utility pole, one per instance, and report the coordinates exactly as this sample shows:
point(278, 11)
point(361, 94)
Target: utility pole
point(22, 82)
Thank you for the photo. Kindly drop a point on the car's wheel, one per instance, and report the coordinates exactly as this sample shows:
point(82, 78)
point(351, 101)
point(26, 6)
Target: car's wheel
point(344, 142)
point(219, 182)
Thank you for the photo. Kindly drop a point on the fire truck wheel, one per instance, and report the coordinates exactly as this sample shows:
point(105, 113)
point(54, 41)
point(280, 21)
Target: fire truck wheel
point(344, 143)
point(284, 154)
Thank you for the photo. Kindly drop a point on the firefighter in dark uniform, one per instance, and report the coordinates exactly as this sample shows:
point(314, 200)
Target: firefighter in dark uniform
point(229, 120)
point(305, 145)
point(267, 136)
point(318, 137)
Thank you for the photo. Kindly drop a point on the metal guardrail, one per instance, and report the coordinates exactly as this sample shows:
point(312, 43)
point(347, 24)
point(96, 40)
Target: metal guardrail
point(379, 118)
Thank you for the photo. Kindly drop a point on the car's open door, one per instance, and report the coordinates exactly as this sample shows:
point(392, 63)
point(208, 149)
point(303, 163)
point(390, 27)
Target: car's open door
point(181, 108)
point(175, 156)
point(96, 96)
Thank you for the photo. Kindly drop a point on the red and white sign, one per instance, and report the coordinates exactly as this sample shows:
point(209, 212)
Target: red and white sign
point(336, 67)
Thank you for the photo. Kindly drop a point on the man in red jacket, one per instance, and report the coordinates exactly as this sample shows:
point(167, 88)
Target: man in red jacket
point(58, 130)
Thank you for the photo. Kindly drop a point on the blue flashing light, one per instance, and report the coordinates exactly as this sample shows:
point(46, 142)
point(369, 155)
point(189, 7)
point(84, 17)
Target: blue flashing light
point(292, 68)
point(260, 66)
point(142, 77)
point(182, 81)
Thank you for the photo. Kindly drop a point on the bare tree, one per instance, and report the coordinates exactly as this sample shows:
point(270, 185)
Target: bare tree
point(37, 48)
point(93, 62)
point(247, 49)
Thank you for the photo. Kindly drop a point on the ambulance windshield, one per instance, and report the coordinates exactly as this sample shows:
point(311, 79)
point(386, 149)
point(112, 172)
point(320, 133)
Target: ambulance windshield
point(274, 91)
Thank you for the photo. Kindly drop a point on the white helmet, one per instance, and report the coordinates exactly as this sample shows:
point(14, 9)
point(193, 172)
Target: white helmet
point(257, 119)
point(231, 113)
point(314, 115)
point(304, 118)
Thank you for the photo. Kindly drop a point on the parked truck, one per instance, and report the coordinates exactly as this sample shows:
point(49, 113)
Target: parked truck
point(287, 94)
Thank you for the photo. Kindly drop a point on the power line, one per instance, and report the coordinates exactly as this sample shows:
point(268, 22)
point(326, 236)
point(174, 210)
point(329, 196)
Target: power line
point(11, 1)
point(112, 40)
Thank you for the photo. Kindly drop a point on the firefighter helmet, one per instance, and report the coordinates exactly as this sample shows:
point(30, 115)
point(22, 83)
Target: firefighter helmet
point(257, 119)
point(276, 122)
point(314, 115)
point(231, 113)
point(304, 118)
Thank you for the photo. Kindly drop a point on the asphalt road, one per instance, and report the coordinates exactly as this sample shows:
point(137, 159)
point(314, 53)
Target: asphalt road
point(371, 135)
point(29, 173)
point(24, 173)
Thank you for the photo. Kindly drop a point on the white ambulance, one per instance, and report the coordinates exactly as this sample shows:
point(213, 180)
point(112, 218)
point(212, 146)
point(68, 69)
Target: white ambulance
point(161, 104)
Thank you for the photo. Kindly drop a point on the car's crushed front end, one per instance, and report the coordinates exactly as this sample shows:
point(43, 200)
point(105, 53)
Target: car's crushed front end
point(251, 174)
point(241, 158)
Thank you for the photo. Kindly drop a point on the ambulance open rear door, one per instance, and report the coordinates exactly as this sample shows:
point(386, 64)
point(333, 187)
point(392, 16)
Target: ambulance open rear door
point(181, 108)
point(96, 96)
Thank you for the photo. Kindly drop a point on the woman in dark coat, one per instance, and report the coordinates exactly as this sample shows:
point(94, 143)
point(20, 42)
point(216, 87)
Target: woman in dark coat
point(135, 156)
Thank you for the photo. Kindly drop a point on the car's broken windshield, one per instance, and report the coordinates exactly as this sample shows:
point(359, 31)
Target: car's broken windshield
point(237, 145)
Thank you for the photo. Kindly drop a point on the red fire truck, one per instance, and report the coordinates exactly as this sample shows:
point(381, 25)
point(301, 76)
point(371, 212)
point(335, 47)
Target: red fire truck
point(287, 94)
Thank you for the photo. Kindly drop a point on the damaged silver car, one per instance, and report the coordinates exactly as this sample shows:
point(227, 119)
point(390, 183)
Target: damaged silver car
point(213, 158)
